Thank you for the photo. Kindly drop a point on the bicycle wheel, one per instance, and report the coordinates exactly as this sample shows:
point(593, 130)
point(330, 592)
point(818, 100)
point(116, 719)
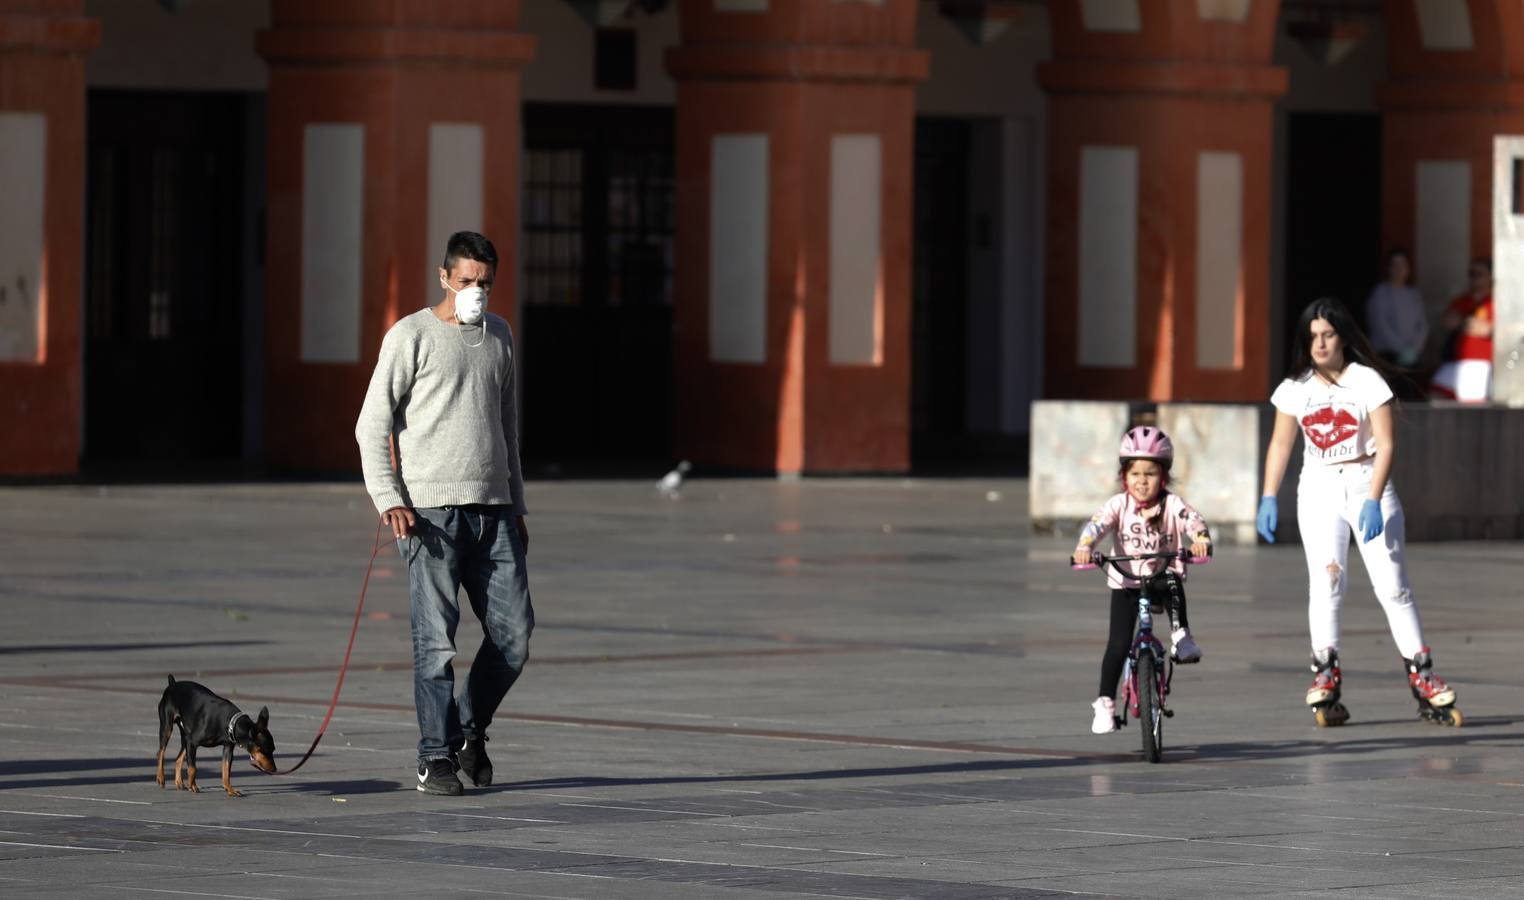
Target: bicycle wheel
point(1150, 715)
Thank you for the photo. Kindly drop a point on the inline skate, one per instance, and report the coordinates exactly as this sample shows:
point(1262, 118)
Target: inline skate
point(1436, 700)
point(1323, 695)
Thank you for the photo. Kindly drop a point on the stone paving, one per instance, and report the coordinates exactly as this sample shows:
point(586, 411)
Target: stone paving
point(835, 688)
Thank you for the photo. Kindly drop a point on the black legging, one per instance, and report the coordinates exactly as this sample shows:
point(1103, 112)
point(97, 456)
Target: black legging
point(1169, 593)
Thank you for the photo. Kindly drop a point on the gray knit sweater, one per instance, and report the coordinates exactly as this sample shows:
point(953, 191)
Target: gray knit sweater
point(452, 409)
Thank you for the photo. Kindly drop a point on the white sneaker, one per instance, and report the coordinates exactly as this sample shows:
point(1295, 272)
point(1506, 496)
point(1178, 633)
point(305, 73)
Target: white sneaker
point(1105, 716)
point(1185, 650)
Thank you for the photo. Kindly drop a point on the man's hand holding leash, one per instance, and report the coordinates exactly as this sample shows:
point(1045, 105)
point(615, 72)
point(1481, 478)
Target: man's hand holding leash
point(401, 521)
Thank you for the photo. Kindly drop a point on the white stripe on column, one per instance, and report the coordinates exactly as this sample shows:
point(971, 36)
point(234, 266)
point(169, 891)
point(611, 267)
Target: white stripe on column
point(23, 176)
point(1108, 257)
point(1111, 15)
point(738, 195)
point(1443, 24)
point(1235, 11)
point(456, 157)
point(856, 321)
point(333, 179)
point(1507, 269)
point(1219, 251)
point(1443, 251)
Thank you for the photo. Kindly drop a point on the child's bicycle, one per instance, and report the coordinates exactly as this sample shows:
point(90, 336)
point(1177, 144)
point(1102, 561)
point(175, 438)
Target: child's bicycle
point(1149, 668)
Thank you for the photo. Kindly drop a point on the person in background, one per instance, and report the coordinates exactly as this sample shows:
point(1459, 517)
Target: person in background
point(1466, 373)
point(1395, 315)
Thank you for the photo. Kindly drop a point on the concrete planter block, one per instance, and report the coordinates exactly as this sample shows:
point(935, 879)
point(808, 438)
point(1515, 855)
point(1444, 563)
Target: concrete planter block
point(1074, 460)
point(1219, 452)
point(1459, 469)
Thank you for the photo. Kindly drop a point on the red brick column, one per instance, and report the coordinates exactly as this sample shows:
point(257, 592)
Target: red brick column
point(43, 44)
point(394, 69)
point(1162, 106)
point(811, 87)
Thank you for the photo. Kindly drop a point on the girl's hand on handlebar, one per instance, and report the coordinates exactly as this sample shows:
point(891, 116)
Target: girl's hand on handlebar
point(1081, 557)
point(1201, 549)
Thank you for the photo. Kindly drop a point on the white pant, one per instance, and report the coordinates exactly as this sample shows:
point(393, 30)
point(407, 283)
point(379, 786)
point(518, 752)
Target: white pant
point(1328, 502)
point(1467, 380)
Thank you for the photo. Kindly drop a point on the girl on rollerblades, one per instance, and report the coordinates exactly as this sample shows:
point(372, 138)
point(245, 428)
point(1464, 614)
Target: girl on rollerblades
point(1145, 518)
point(1337, 397)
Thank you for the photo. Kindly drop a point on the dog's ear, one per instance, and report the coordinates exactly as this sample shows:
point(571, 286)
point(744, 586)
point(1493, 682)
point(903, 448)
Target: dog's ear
point(264, 717)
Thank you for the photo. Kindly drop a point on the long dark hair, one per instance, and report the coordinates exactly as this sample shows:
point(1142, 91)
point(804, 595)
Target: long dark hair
point(1357, 347)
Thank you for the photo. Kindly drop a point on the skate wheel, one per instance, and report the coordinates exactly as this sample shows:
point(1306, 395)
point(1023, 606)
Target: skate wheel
point(1330, 716)
point(1454, 717)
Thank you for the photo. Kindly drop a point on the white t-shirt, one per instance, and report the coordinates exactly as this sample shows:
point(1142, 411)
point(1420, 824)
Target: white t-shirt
point(1335, 418)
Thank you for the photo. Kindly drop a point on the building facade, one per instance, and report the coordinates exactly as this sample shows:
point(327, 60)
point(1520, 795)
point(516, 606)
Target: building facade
point(819, 236)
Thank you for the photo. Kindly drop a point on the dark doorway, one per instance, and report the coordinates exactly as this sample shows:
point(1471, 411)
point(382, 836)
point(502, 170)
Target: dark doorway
point(939, 292)
point(164, 278)
point(597, 288)
point(1333, 216)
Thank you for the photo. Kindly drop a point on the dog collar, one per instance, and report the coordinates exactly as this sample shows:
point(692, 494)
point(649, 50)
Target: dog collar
point(234, 721)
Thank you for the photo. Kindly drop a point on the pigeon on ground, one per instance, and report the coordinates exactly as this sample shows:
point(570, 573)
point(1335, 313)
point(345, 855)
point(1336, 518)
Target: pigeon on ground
point(673, 480)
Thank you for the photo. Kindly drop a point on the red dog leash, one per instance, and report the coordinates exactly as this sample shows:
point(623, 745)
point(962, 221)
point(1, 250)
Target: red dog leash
point(354, 629)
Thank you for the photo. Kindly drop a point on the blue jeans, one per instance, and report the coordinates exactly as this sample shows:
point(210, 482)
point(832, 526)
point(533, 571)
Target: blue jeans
point(477, 548)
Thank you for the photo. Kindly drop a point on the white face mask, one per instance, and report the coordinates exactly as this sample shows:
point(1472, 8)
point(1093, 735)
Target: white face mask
point(470, 304)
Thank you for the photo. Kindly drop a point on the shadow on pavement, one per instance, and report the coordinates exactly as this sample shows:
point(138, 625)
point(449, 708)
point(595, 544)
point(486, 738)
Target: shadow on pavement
point(1439, 738)
point(64, 773)
point(1001, 765)
point(113, 648)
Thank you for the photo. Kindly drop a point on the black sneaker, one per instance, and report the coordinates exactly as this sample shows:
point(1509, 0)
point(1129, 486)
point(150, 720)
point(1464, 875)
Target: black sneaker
point(474, 762)
point(437, 776)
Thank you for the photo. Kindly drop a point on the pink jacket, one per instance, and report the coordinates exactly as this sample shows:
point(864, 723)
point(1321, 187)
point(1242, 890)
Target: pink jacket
point(1178, 526)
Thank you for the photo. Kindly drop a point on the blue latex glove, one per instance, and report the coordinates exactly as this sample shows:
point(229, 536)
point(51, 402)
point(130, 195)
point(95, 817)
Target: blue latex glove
point(1371, 522)
point(1269, 514)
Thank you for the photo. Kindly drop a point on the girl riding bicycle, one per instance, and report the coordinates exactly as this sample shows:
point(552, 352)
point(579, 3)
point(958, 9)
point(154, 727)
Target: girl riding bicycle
point(1144, 518)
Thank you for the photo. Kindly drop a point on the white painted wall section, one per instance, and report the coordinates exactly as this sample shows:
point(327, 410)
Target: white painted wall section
point(856, 303)
point(1111, 15)
point(456, 160)
point(23, 174)
point(1219, 252)
point(1443, 251)
point(333, 206)
point(1235, 11)
point(1443, 24)
point(1108, 258)
point(1508, 270)
point(738, 195)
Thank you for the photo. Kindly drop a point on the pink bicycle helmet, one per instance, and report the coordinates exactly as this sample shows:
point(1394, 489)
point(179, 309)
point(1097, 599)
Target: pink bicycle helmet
point(1145, 442)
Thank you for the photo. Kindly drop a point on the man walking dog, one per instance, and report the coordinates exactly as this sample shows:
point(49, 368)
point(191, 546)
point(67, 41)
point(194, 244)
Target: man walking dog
point(441, 404)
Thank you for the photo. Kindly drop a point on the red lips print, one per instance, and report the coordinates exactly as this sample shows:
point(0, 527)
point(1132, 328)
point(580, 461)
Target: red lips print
point(1328, 426)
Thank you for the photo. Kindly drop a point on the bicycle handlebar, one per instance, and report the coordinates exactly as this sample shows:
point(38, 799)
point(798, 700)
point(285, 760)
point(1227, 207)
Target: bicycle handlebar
point(1098, 559)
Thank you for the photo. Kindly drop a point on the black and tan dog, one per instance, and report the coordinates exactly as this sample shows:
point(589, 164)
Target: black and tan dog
point(207, 720)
